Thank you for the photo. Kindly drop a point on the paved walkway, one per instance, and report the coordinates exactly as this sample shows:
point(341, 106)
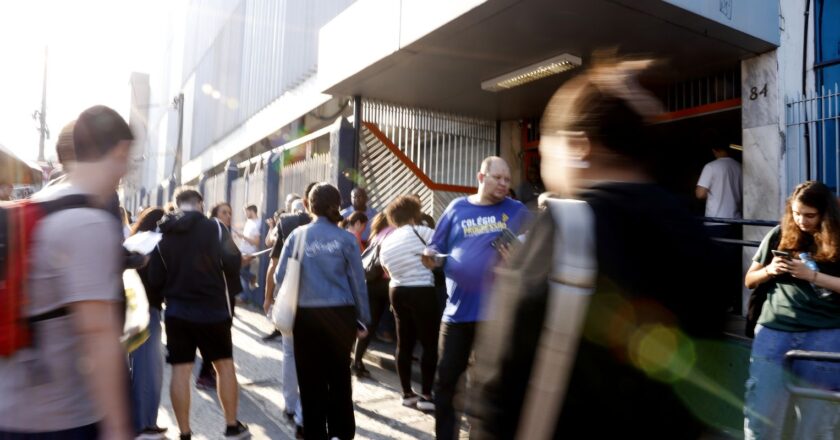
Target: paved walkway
point(379, 413)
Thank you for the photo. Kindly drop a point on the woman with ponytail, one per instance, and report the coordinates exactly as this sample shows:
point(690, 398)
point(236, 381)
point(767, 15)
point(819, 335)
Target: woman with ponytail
point(332, 299)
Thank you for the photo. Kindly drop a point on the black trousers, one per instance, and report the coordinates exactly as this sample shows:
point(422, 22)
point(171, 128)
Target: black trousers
point(323, 340)
point(378, 300)
point(454, 349)
point(416, 314)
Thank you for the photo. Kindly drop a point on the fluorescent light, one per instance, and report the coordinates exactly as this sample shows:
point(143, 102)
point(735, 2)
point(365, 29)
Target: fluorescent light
point(551, 66)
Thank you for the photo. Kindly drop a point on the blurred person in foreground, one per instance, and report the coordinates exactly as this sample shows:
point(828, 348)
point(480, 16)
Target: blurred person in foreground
point(72, 383)
point(801, 312)
point(655, 293)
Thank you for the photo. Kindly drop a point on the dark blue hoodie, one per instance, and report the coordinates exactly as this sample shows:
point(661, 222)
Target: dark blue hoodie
point(196, 256)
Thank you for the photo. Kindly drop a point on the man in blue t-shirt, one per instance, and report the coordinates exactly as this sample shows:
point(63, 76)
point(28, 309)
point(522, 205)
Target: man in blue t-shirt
point(464, 244)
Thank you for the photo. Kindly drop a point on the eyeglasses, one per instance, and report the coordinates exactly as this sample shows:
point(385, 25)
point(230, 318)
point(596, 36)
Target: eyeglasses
point(499, 178)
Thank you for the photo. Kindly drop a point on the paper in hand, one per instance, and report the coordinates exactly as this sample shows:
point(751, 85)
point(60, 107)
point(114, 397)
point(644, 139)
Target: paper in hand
point(143, 242)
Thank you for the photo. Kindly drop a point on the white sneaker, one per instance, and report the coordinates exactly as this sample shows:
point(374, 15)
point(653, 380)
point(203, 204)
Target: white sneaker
point(425, 404)
point(411, 401)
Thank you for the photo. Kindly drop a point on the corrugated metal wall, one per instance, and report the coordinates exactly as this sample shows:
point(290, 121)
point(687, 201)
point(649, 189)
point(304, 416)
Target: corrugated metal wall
point(263, 49)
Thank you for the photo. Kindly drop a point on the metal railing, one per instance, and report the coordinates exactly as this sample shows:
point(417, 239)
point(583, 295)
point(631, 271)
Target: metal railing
point(813, 138)
point(448, 148)
point(739, 222)
point(809, 392)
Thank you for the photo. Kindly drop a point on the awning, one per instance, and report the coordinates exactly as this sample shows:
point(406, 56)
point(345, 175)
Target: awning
point(16, 170)
point(443, 68)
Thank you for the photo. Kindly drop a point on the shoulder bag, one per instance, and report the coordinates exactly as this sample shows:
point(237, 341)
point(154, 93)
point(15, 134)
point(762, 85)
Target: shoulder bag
point(285, 306)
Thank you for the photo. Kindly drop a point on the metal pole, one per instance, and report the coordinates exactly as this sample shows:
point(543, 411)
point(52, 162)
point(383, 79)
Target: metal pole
point(357, 125)
point(43, 114)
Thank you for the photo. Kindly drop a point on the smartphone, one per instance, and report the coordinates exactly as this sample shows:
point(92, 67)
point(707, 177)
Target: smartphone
point(504, 239)
point(781, 254)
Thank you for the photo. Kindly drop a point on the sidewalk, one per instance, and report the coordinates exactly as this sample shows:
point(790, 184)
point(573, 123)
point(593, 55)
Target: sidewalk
point(379, 412)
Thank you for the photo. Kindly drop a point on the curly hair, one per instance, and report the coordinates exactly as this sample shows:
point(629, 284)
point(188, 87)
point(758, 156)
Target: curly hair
point(825, 243)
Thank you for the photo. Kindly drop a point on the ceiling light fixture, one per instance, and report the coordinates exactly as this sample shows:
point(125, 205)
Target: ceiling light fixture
point(551, 66)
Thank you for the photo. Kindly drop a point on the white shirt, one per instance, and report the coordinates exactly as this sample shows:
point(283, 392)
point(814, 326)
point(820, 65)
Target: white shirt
point(252, 231)
point(399, 256)
point(722, 179)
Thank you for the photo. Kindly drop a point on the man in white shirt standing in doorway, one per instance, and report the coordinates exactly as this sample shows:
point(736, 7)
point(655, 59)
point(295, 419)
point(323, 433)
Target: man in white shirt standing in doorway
point(720, 185)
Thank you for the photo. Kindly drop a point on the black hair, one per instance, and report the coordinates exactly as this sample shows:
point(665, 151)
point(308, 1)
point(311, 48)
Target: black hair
point(251, 208)
point(97, 131)
point(187, 194)
point(308, 188)
point(324, 201)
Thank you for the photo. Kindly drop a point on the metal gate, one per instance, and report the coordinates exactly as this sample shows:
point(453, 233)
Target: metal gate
point(813, 138)
point(432, 154)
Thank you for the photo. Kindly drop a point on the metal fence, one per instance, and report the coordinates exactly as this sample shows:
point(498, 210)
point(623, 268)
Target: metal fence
point(448, 148)
point(813, 138)
point(214, 190)
point(296, 176)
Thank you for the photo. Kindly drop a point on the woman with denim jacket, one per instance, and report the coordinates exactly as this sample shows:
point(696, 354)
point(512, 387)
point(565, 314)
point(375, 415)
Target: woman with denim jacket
point(332, 298)
point(801, 312)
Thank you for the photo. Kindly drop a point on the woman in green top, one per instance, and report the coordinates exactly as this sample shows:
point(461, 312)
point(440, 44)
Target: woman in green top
point(797, 316)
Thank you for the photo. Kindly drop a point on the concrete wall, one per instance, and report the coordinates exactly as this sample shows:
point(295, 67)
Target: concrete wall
point(763, 120)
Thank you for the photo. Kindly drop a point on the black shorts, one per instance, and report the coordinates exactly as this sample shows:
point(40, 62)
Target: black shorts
point(183, 337)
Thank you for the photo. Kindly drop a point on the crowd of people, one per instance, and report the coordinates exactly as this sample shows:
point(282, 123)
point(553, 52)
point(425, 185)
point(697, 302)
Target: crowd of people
point(598, 344)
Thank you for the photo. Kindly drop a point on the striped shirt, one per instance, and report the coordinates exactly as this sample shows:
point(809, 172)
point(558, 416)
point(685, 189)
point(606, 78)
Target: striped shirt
point(399, 256)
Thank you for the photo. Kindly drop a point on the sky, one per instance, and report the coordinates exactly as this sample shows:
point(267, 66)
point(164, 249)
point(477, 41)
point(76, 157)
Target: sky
point(93, 45)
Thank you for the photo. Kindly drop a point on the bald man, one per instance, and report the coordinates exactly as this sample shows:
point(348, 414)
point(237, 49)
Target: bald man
point(467, 233)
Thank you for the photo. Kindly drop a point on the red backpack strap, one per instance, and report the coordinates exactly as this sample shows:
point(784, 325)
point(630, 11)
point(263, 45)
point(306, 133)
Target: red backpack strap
point(18, 221)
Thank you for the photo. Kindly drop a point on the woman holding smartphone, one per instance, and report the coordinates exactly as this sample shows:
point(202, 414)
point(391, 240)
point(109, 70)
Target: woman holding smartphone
point(332, 312)
point(796, 316)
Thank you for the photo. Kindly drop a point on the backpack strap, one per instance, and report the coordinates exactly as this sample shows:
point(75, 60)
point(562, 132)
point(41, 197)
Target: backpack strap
point(571, 284)
point(48, 207)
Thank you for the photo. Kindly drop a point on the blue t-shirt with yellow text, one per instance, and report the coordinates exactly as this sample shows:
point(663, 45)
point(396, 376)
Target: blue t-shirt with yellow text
point(466, 231)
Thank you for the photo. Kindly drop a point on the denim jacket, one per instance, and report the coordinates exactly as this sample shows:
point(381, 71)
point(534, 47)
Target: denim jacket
point(331, 268)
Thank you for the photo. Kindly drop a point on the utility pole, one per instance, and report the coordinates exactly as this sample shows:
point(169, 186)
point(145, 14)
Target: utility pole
point(178, 103)
point(42, 115)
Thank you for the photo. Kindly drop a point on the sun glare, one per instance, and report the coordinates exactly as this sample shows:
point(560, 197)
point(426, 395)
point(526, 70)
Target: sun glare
point(93, 47)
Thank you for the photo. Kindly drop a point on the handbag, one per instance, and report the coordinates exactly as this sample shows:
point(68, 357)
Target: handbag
point(370, 262)
point(285, 306)
point(136, 327)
